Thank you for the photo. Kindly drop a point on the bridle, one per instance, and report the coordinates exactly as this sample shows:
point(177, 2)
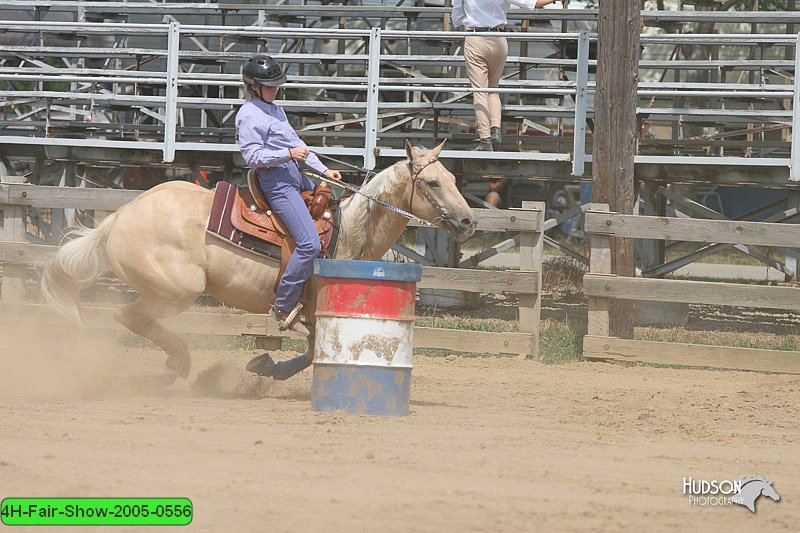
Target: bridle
point(424, 190)
point(417, 183)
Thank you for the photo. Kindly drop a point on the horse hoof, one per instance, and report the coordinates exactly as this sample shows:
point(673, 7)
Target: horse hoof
point(263, 365)
point(180, 365)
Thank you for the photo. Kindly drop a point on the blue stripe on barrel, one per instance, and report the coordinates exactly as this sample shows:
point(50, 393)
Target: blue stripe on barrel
point(362, 390)
point(364, 336)
point(377, 270)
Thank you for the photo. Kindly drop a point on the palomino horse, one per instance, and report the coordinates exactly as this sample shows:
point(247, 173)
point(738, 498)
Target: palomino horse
point(157, 245)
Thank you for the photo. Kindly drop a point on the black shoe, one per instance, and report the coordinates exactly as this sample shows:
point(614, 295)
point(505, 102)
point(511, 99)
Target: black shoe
point(484, 146)
point(497, 138)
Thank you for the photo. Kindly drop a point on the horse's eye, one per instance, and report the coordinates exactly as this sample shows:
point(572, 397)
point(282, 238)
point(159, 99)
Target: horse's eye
point(433, 183)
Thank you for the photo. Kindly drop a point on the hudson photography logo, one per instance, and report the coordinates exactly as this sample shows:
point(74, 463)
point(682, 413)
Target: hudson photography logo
point(713, 492)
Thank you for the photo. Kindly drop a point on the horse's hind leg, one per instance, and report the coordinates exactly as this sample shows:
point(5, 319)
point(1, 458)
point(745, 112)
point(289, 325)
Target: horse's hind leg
point(141, 317)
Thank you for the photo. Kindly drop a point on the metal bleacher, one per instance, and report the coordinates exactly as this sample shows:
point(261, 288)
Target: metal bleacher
point(143, 84)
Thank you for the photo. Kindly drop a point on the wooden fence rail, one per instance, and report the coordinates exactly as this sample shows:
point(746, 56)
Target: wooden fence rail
point(600, 286)
point(16, 254)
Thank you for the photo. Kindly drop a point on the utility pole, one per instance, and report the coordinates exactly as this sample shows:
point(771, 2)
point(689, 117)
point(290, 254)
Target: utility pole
point(616, 132)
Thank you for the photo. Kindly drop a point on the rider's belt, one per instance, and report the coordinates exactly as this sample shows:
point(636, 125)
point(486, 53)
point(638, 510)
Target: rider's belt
point(501, 27)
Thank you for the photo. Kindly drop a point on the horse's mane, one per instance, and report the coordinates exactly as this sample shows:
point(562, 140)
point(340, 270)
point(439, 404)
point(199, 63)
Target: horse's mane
point(354, 221)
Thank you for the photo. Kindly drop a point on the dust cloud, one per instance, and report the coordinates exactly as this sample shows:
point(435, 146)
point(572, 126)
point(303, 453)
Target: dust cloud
point(41, 362)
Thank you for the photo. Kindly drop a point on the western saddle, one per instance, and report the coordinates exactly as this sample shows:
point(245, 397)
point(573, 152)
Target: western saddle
point(252, 215)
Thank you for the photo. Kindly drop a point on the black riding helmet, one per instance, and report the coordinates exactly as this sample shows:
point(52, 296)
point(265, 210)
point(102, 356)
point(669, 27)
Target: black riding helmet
point(263, 70)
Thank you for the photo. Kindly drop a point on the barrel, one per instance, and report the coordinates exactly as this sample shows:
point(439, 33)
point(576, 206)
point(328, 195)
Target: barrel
point(364, 337)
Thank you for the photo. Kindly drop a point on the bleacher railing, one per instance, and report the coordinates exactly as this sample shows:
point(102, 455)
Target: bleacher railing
point(150, 84)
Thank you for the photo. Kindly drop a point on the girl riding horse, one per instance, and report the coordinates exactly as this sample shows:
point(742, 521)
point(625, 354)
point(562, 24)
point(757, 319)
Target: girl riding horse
point(270, 145)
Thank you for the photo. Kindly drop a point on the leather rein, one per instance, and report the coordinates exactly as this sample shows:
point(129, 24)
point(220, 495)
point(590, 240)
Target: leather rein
point(423, 190)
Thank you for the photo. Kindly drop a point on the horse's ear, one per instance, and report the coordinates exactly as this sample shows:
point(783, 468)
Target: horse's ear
point(409, 150)
point(436, 151)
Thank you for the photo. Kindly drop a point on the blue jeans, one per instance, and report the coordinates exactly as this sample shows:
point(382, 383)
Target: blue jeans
point(286, 201)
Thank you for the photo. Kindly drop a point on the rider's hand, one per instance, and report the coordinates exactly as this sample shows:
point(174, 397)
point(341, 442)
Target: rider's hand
point(299, 153)
point(333, 174)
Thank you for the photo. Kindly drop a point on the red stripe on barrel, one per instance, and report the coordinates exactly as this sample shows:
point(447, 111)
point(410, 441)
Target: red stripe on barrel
point(366, 298)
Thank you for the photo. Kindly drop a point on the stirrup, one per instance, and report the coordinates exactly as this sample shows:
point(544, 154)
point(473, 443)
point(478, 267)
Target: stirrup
point(292, 320)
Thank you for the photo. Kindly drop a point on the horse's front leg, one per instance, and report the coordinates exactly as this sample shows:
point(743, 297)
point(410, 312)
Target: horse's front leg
point(286, 369)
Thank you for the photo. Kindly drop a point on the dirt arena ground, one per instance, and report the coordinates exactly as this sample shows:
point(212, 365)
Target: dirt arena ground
point(492, 444)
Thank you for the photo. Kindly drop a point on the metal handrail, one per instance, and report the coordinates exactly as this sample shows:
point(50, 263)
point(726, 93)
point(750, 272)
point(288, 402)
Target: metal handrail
point(372, 84)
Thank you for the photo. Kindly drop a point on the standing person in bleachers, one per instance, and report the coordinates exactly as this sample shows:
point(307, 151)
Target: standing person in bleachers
point(486, 57)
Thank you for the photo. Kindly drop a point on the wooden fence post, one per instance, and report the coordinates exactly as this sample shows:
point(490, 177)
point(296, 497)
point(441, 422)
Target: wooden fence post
point(531, 244)
point(13, 282)
point(616, 132)
point(599, 263)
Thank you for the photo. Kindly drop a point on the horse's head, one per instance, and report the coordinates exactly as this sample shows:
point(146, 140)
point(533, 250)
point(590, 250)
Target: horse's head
point(434, 195)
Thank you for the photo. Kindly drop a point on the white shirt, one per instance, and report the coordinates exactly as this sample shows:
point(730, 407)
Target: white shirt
point(485, 13)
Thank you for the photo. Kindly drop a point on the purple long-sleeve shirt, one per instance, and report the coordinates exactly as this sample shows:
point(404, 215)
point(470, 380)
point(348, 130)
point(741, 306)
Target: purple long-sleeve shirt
point(265, 137)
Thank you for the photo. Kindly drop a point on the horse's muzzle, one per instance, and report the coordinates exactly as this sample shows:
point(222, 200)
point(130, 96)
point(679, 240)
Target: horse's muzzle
point(463, 227)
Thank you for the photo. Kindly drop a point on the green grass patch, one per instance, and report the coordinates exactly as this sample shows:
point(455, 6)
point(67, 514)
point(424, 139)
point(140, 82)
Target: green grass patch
point(294, 345)
point(761, 341)
point(438, 352)
point(195, 341)
point(738, 281)
point(493, 325)
point(729, 256)
point(559, 343)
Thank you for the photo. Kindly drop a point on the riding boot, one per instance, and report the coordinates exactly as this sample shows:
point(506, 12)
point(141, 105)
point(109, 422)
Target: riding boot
point(286, 369)
point(484, 146)
point(496, 138)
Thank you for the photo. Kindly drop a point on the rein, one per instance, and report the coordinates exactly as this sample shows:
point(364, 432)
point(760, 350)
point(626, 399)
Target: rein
point(306, 168)
point(424, 191)
point(367, 172)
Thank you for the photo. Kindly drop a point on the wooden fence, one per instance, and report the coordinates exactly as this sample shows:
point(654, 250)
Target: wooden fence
point(600, 286)
point(16, 255)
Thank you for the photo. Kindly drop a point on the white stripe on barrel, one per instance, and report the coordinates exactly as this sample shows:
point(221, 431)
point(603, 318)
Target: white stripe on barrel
point(364, 341)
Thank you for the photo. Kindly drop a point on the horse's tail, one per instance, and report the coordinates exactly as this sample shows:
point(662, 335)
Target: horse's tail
point(76, 265)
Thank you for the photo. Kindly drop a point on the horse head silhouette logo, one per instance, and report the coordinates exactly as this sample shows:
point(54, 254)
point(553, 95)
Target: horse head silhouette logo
point(752, 488)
